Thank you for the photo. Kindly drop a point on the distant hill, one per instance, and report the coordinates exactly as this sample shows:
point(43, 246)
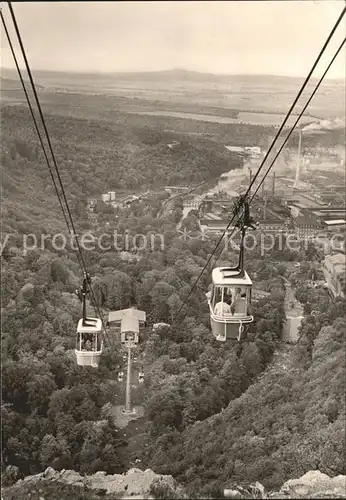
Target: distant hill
point(13, 83)
point(258, 93)
point(166, 75)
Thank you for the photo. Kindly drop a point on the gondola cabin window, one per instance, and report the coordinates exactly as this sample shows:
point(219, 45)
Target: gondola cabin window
point(231, 301)
point(88, 341)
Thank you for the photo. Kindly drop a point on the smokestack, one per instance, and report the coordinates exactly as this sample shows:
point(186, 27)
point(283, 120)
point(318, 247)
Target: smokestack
point(263, 188)
point(325, 125)
point(265, 208)
point(296, 181)
point(273, 188)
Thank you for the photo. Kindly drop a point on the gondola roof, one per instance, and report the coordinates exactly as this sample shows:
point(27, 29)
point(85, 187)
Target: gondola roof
point(224, 276)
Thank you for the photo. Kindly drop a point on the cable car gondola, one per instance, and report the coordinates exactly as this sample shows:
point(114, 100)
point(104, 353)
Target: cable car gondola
point(89, 343)
point(230, 297)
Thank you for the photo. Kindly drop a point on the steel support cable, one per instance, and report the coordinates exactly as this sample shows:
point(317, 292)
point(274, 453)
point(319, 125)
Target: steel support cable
point(37, 128)
point(291, 131)
point(33, 116)
point(296, 122)
point(306, 81)
point(266, 156)
point(74, 233)
point(299, 117)
point(38, 131)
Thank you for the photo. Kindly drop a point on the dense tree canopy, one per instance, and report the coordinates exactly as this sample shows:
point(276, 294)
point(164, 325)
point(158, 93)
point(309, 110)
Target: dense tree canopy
point(214, 412)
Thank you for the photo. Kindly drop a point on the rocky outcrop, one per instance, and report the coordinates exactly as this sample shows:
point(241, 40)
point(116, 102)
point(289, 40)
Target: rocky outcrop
point(137, 484)
point(314, 484)
point(134, 484)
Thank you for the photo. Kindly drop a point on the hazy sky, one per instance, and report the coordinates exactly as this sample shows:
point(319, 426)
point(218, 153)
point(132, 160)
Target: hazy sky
point(233, 37)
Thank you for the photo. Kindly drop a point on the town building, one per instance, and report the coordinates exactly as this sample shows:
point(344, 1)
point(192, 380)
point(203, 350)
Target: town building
point(329, 213)
point(306, 227)
point(216, 204)
point(334, 270)
point(129, 199)
point(176, 189)
point(335, 226)
point(299, 201)
point(271, 224)
point(252, 151)
point(193, 202)
point(309, 221)
point(107, 197)
point(118, 201)
point(173, 145)
point(269, 215)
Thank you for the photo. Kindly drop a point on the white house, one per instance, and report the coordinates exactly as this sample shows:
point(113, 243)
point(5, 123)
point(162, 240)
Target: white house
point(334, 269)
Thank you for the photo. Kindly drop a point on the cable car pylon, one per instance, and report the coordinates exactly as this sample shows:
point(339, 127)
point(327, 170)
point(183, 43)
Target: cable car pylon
point(129, 320)
point(128, 409)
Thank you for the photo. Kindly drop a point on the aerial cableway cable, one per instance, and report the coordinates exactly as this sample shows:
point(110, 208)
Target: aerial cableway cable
point(74, 233)
point(261, 166)
point(306, 81)
point(68, 224)
point(71, 226)
point(267, 154)
point(37, 130)
point(295, 124)
point(34, 118)
point(300, 115)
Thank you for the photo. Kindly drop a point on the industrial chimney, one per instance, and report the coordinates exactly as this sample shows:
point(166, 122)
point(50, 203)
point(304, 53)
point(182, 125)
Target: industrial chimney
point(265, 208)
point(250, 179)
point(296, 182)
point(273, 188)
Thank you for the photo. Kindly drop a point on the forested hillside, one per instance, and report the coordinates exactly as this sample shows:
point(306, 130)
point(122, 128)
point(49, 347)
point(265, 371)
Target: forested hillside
point(95, 156)
point(57, 414)
point(271, 428)
point(214, 414)
point(290, 421)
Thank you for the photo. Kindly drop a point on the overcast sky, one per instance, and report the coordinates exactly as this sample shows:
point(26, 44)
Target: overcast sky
point(262, 37)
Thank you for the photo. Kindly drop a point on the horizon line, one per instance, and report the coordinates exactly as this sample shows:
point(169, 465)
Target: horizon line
point(171, 70)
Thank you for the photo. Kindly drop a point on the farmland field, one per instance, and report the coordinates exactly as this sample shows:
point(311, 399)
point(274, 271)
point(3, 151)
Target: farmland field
point(252, 118)
point(190, 92)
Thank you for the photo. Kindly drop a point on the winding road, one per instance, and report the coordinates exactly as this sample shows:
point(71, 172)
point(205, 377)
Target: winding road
point(282, 358)
point(168, 204)
point(294, 316)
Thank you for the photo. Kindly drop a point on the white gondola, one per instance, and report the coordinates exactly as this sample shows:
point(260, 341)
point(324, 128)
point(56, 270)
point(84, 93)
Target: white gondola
point(229, 299)
point(230, 303)
point(89, 342)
